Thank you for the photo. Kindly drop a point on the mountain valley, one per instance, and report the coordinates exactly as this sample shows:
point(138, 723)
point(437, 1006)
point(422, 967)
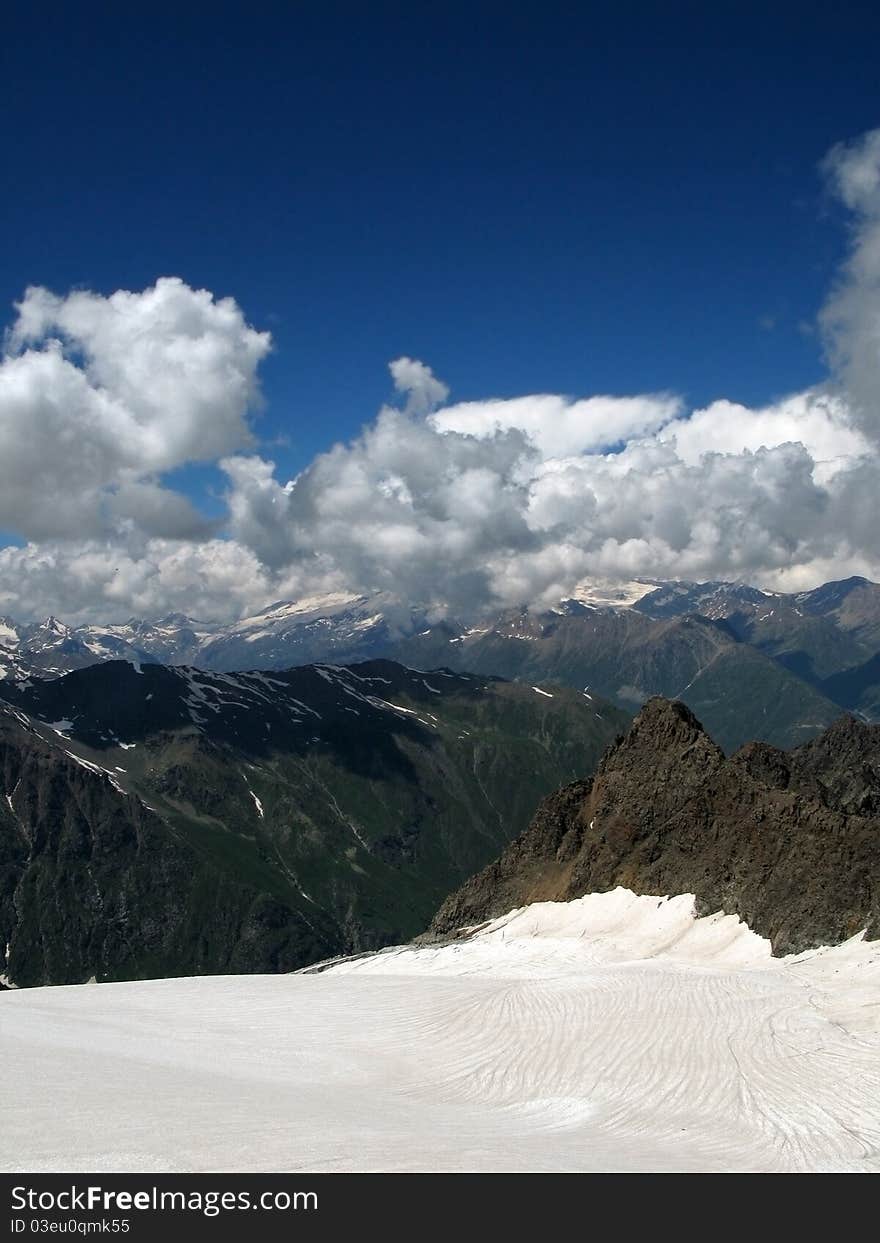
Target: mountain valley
point(160, 821)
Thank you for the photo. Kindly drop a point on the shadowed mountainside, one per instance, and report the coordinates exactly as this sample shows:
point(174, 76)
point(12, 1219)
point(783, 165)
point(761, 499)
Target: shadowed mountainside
point(159, 821)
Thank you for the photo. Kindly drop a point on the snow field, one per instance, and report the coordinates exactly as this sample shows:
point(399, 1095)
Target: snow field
point(610, 1033)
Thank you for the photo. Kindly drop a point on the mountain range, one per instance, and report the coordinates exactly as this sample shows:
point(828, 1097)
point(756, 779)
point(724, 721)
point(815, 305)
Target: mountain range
point(338, 628)
point(164, 813)
point(165, 821)
point(753, 665)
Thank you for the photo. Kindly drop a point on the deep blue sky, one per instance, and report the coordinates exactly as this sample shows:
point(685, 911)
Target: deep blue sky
point(577, 198)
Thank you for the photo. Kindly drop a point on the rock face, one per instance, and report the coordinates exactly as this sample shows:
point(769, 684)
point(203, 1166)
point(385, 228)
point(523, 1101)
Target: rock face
point(789, 841)
point(159, 821)
point(94, 883)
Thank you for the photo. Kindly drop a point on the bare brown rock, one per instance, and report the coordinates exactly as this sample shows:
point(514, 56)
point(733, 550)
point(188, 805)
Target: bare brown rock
point(789, 841)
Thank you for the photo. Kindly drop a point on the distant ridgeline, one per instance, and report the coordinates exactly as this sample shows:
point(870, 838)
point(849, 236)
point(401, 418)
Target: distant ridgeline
point(753, 665)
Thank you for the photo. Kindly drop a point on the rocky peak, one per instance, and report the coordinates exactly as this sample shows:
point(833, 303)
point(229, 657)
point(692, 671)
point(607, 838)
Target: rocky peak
point(666, 720)
point(665, 734)
point(764, 763)
point(846, 761)
point(789, 841)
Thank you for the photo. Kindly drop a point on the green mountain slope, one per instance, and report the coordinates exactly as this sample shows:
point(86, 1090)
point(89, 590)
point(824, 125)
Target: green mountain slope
point(165, 821)
point(738, 691)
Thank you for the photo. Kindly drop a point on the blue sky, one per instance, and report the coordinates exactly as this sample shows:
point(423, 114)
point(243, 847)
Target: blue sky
point(572, 199)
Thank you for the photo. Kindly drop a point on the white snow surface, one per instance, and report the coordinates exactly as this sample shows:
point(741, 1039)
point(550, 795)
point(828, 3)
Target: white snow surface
point(8, 635)
point(614, 1032)
point(602, 594)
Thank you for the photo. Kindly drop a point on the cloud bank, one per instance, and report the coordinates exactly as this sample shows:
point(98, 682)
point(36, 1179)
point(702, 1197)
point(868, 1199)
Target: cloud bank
point(474, 505)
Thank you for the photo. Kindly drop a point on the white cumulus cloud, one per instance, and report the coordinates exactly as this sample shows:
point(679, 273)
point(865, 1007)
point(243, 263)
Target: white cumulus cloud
point(557, 426)
point(851, 317)
point(422, 388)
point(470, 505)
point(100, 395)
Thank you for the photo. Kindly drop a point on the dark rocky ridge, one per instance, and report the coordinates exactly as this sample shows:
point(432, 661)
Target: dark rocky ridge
point(789, 841)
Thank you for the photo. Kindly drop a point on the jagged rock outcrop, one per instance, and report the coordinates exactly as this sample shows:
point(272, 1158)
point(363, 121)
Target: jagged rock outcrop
point(789, 841)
